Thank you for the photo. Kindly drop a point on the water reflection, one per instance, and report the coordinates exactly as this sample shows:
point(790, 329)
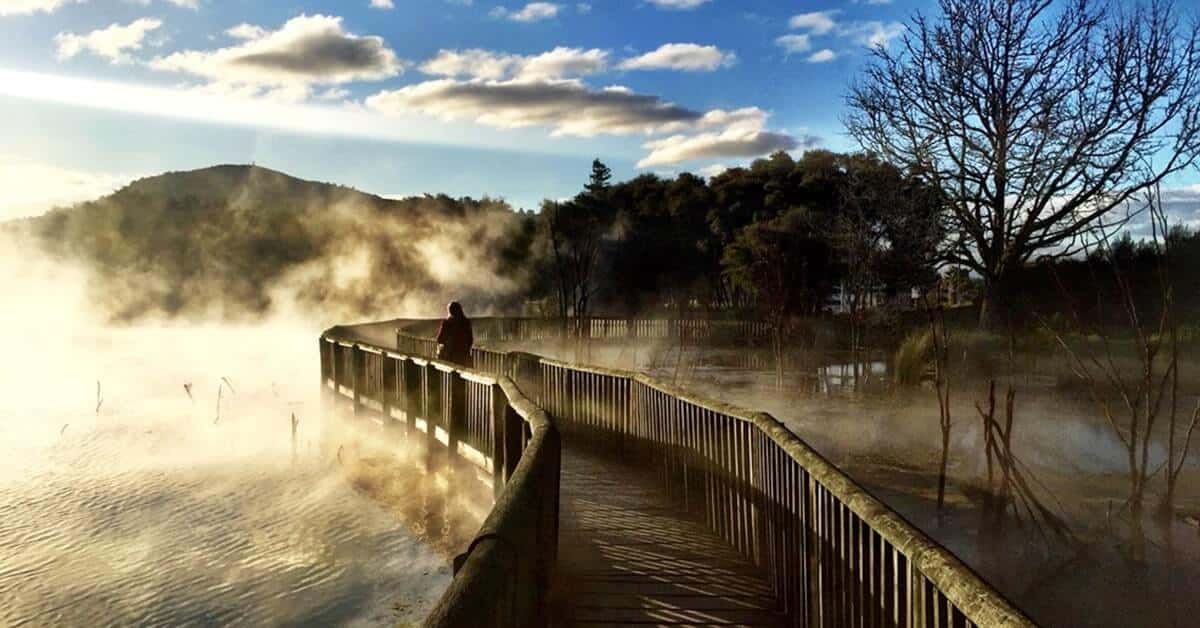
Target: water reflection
point(888, 440)
point(168, 505)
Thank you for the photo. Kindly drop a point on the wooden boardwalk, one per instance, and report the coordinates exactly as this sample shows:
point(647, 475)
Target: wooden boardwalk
point(628, 557)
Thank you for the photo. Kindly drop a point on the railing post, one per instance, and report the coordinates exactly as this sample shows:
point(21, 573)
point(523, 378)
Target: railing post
point(357, 366)
point(499, 412)
point(412, 395)
point(455, 415)
point(514, 440)
point(431, 397)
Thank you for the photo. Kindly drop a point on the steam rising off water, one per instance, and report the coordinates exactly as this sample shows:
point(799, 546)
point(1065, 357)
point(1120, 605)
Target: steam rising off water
point(151, 504)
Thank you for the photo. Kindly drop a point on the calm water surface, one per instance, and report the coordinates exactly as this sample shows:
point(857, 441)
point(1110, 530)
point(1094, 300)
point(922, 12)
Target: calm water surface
point(174, 505)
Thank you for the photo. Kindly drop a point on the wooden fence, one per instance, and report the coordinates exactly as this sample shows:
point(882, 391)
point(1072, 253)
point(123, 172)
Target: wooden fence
point(504, 576)
point(515, 329)
point(834, 555)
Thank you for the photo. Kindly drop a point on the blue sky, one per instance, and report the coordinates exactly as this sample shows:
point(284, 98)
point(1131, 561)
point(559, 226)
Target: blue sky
point(467, 97)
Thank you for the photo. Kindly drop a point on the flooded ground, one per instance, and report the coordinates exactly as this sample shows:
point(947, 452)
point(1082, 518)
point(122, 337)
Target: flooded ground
point(888, 440)
point(172, 492)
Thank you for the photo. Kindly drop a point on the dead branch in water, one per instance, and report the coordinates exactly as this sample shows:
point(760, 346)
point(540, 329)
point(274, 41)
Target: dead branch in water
point(295, 423)
point(220, 388)
point(187, 388)
point(99, 398)
point(941, 372)
point(227, 383)
point(1016, 486)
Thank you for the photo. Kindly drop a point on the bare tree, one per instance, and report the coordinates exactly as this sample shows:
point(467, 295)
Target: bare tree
point(1036, 118)
point(940, 336)
point(1134, 401)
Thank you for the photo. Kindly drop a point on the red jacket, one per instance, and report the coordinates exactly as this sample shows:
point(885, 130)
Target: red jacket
point(455, 339)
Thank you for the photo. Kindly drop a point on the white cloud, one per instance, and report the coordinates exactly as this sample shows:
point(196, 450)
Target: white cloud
point(489, 65)
point(685, 57)
point(306, 50)
point(744, 118)
point(793, 43)
point(713, 170)
point(816, 22)
point(185, 4)
point(583, 7)
point(734, 142)
point(382, 4)
point(678, 5)
point(31, 189)
point(532, 12)
point(27, 7)
point(250, 109)
point(246, 31)
point(334, 93)
point(111, 43)
point(821, 56)
point(872, 34)
point(566, 106)
point(740, 133)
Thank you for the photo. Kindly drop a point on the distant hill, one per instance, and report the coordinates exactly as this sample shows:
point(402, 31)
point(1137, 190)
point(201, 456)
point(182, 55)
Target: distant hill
point(237, 242)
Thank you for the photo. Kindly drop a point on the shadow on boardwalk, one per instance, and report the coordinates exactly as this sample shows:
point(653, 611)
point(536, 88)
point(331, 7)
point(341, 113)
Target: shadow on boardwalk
point(627, 555)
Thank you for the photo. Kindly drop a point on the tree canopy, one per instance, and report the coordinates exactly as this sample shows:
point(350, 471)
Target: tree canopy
point(1037, 119)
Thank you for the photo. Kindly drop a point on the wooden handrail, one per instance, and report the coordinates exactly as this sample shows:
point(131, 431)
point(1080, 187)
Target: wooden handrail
point(504, 579)
point(834, 554)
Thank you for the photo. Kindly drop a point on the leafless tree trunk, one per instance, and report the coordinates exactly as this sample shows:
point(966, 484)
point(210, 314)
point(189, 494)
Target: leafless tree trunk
point(941, 374)
point(1134, 403)
point(1037, 119)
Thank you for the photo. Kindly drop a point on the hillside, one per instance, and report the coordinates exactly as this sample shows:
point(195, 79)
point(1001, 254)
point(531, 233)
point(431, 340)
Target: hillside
point(237, 242)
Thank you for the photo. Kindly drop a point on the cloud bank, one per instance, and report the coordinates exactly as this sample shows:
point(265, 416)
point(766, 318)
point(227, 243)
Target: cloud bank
point(305, 50)
point(684, 57)
point(475, 63)
point(111, 43)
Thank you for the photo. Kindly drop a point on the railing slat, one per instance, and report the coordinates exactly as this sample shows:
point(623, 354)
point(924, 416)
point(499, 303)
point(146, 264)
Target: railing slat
point(832, 554)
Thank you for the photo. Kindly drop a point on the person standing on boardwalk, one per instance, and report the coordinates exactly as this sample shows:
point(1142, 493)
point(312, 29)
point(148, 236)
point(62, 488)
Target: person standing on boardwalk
point(454, 337)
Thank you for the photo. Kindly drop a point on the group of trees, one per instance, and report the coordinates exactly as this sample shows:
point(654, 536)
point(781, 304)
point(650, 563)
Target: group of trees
point(776, 239)
point(1001, 133)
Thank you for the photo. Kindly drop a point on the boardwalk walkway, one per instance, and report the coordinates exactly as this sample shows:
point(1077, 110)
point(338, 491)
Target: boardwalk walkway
point(828, 553)
point(626, 556)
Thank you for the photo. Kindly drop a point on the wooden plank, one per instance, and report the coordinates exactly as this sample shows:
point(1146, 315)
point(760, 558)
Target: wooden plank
point(629, 556)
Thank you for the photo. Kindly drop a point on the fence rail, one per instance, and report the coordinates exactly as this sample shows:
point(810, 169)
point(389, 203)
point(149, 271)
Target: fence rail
point(504, 576)
point(833, 554)
point(516, 329)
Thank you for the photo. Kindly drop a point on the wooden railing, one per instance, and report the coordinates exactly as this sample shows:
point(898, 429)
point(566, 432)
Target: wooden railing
point(514, 329)
point(504, 576)
point(834, 555)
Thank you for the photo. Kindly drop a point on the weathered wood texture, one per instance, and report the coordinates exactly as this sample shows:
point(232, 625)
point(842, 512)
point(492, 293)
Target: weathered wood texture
point(504, 577)
point(630, 556)
point(735, 498)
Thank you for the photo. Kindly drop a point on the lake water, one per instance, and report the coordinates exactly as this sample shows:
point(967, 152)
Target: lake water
point(173, 494)
point(888, 441)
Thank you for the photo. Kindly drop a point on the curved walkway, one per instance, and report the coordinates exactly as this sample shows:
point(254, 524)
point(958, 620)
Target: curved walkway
point(628, 556)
